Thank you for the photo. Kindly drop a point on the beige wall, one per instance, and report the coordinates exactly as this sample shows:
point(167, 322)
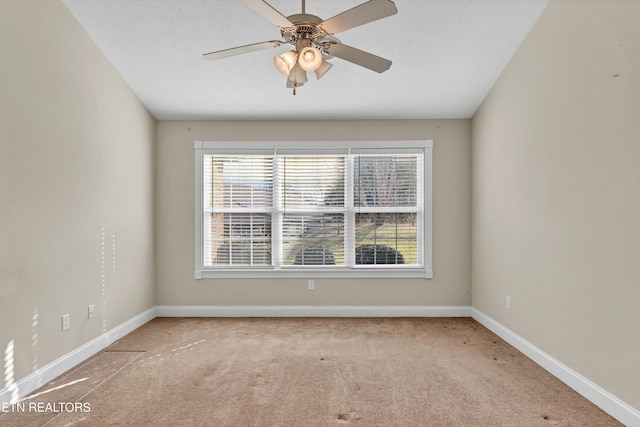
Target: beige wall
point(556, 192)
point(75, 158)
point(451, 285)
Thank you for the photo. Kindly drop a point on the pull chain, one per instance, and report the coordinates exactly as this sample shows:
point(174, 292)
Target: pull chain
point(295, 83)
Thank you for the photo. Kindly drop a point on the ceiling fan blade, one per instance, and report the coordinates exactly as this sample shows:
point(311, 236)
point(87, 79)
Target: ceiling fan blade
point(265, 10)
point(242, 49)
point(359, 57)
point(359, 15)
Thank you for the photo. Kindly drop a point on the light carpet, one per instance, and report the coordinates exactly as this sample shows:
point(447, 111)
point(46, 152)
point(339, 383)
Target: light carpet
point(310, 372)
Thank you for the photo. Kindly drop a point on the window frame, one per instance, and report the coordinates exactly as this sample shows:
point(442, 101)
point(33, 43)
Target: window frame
point(390, 147)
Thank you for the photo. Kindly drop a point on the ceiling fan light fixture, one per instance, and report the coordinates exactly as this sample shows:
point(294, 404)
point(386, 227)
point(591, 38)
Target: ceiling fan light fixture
point(322, 69)
point(290, 84)
point(285, 62)
point(298, 75)
point(281, 65)
point(310, 58)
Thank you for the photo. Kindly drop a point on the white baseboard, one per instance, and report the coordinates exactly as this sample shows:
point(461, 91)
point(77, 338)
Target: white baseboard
point(312, 311)
point(594, 393)
point(61, 365)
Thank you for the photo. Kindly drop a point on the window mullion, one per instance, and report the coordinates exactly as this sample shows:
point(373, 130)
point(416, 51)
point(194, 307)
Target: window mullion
point(350, 216)
point(206, 180)
point(276, 215)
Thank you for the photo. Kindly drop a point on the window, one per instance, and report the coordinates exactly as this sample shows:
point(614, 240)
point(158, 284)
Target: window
point(339, 210)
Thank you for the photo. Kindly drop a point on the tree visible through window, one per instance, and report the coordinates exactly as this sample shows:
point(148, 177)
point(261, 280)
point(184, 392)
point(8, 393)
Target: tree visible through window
point(293, 209)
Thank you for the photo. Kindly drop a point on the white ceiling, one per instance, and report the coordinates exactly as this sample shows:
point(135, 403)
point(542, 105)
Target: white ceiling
point(446, 56)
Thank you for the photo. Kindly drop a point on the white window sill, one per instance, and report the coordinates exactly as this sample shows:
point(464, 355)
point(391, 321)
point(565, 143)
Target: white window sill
point(306, 273)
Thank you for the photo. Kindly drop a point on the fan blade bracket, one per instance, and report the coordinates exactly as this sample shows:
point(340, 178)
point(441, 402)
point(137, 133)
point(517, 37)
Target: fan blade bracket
point(364, 13)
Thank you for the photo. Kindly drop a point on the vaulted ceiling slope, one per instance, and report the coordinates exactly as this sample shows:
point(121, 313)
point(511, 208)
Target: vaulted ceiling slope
point(446, 56)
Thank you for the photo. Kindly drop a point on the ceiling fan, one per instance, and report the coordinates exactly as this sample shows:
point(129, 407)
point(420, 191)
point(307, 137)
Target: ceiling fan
point(314, 40)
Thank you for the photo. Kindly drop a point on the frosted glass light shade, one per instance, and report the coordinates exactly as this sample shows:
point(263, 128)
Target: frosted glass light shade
point(298, 74)
point(323, 68)
point(290, 84)
point(285, 62)
point(310, 58)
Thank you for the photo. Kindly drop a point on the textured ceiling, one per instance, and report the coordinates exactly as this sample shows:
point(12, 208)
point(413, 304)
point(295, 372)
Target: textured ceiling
point(446, 56)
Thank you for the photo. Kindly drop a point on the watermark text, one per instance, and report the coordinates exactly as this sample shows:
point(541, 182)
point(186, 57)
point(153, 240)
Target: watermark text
point(44, 407)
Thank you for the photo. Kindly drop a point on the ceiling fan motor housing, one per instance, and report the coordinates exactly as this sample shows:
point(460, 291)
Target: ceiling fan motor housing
point(305, 32)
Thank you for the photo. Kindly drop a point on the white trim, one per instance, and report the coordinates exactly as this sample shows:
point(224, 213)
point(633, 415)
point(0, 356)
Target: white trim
point(591, 391)
point(272, 145)
point(427, 210)
point(331, 272)
point(313, 311)
point(63, 364)
point(198, 240)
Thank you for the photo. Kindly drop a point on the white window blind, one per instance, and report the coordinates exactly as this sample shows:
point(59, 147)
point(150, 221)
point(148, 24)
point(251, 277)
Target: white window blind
point(313, 208)
point(238, 199)
point(333, 210)
point(388, 209)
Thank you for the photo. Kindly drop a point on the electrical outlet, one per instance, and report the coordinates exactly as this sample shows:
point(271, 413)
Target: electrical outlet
point(90, 311)
point(311, 285)
point(66, 322)
point(508, 302)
